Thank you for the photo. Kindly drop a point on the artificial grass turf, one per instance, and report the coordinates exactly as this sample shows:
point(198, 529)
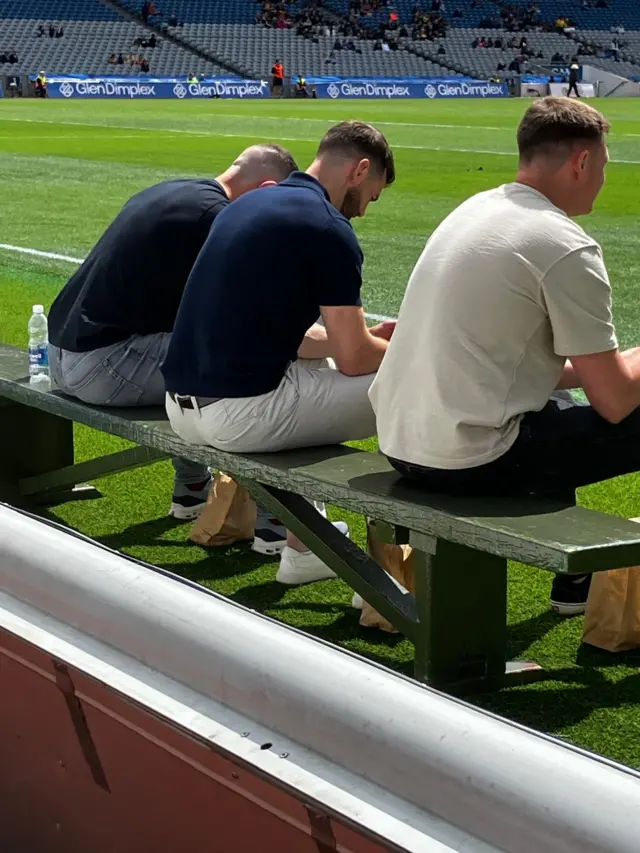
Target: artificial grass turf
point(66, 169)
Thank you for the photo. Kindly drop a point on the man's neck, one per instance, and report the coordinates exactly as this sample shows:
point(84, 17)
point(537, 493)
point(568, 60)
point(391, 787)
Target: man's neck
point(331, 179)
point(543, 185)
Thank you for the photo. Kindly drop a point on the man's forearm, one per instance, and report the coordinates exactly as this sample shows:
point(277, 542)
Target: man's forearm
point(368, 357)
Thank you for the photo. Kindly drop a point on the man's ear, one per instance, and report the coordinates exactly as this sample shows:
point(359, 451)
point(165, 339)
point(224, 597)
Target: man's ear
point(360, 172)
point(581, 160)
point(268, 184)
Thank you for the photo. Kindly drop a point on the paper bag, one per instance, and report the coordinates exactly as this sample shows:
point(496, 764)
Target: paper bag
point(396, 560)
point(612, 619)
point(228, 517)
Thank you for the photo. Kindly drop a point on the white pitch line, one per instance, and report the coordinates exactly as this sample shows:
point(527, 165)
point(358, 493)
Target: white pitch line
point(22, 250)
point(173, 131)
point(52, 255)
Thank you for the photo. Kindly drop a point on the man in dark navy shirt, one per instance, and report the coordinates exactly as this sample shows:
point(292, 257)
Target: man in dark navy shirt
point(273, 262)
point(110, 326)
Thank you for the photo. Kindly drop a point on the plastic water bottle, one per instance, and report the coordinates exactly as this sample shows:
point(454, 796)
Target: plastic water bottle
point(38, 347)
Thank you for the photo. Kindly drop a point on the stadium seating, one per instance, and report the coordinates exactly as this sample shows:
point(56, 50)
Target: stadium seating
point(484, 61)
point(257, 48)
point(92, 32)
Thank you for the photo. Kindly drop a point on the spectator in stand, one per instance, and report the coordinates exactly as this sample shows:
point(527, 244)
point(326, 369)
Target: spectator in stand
point(120, 59)
point(4, 58)
point(40, 31)
point(144, 14)
point(59, 32)
point(112, 59)
point(13, 58)
point(378, 45)
point(557, 57)
point(514, 66)
point(500, 67)
point(144, 65)
point(457, 14)
point(52, 31)
point(153, 41)
point(277, 79)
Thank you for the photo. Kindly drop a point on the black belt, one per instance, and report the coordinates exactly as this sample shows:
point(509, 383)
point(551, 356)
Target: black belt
point(186, 402)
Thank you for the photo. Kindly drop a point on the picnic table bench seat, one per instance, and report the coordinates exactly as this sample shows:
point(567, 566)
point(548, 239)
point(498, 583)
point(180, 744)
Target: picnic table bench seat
point(457, 618)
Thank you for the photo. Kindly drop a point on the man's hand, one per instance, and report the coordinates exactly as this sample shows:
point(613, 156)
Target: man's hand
point(383, 330)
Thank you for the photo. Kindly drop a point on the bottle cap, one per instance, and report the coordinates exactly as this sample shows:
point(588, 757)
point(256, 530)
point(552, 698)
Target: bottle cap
point(38, 309)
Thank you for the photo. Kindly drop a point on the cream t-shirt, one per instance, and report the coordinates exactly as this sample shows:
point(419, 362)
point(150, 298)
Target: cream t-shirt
point(507, 288)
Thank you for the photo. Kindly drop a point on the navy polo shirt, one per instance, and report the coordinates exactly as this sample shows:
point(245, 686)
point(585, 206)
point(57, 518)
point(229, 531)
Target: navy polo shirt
point(272, 258)
point(132, 281)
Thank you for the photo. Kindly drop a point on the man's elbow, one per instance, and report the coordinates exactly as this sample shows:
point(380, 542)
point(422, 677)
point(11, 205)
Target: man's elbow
point(614, 411)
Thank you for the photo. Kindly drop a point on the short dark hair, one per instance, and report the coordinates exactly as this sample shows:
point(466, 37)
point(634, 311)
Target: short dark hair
point(358, 139)
point(552, 123)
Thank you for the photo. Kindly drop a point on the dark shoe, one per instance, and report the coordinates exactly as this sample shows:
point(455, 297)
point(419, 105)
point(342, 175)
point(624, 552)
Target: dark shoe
point(569, 594)
point(189, 500)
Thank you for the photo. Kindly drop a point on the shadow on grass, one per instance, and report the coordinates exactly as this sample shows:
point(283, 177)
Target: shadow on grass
point(523, 634)
point(574, 695)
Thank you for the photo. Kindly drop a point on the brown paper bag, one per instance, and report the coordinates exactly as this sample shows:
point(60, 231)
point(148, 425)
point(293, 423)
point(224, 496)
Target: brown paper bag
point(229, 516)
point(397, 560)
point(612, 618)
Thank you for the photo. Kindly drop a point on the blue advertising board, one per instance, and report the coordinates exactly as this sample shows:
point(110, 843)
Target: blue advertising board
point(393, 89)
point(325, 87)
point(138, 88)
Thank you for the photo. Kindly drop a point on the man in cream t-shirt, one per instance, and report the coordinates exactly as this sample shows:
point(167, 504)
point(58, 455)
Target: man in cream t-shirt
point(509, 301)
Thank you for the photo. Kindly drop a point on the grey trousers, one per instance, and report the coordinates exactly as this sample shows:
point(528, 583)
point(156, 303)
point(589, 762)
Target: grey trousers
point(123, 374)
point(314, 404)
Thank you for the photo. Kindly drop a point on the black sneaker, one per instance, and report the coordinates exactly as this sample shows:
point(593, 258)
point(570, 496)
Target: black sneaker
point(569, 594)
point(189, 500)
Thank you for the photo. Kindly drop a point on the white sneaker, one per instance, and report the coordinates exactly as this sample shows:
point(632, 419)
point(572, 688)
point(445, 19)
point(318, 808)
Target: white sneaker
point(298, 567)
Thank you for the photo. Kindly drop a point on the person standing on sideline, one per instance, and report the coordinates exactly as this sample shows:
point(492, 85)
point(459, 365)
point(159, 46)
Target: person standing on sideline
point(509, 301)
point(110, 326)
point(574, 76)
point(234, 371)
point(277, 79)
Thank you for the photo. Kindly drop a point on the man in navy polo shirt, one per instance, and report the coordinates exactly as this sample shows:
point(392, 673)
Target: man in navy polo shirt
point(110, 326)
point(274, 261)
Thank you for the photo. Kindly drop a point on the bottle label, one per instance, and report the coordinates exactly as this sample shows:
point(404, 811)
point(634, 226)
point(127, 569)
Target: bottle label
point(39, 355)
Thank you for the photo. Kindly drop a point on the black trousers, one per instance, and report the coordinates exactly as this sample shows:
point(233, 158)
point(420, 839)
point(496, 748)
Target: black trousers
point(563, 447)
point(573, 86)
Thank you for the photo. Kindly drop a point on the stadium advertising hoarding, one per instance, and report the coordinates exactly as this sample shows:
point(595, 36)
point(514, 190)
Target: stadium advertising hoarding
point(390, 89)
point(137, 88)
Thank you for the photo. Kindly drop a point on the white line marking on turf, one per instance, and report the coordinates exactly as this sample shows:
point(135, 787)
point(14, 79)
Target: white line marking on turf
point(51, 255)
point(22, 250)
point(173, 131)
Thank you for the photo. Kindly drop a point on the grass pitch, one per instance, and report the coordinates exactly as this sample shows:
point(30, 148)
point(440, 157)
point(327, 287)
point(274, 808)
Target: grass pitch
point(67, 167)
